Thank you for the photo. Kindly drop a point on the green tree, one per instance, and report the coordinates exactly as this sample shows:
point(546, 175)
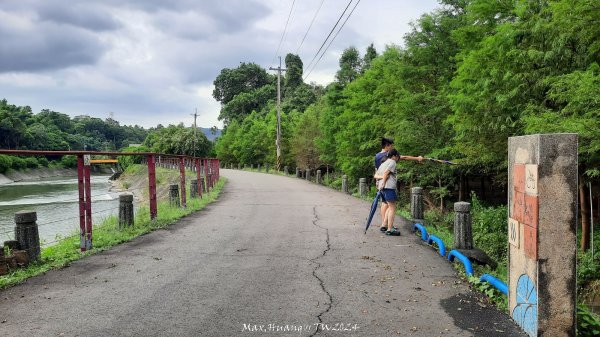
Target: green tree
point(245, 78)
point(293, 74)
point(350, 66)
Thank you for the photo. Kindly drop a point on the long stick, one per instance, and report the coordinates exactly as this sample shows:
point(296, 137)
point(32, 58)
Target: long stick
point(440, 161)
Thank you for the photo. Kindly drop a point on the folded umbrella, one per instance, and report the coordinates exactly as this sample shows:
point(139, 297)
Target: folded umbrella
point(373, 209)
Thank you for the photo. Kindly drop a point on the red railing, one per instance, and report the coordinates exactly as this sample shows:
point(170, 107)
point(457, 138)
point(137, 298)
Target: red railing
point(210, 167)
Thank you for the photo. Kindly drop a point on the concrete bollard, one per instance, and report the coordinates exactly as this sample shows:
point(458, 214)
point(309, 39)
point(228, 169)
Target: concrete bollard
point(252, 166)
point(26, 233)
point(463, 237)
point(345, 183)
point(125, 210)
point(298, 174)
point(258, 167)
point(286, 170)
point(362, 187)
point(174, 195)
point(307, 175)
point(239, 166)
point(267, 168)
point(194, 188)
point(319, 178)
point(416, 205)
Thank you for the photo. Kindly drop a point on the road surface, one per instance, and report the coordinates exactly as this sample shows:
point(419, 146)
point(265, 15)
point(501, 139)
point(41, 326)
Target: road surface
point(274, 256)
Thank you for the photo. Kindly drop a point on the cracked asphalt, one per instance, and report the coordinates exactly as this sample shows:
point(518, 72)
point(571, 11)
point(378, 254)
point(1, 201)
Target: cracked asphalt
point(274, 256)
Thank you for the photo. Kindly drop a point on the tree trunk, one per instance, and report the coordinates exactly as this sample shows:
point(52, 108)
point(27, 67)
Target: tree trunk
point(585, 224)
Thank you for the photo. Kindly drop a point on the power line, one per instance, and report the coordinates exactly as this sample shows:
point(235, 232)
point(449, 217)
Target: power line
point(284, 30)
point(310, 26)
point(330, 42)
point(327, 38)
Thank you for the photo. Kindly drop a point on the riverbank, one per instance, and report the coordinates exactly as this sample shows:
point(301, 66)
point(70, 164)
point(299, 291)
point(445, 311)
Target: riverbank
point(12, 176)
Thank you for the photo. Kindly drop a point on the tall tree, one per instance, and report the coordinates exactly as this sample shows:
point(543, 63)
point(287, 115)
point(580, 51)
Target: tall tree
point(245, 78)
point(293, 74)
point(370, 55)
point(350, 66)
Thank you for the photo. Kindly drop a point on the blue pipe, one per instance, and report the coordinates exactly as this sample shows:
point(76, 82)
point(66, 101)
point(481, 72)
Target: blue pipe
point(422, 229)
point(501, 286)
point(440, 243)
point(465, 260)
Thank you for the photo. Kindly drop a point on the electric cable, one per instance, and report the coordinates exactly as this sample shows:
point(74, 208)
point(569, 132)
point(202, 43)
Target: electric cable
point(330, 42)
point(284, 31)
point(310, 26)
point(329, 35)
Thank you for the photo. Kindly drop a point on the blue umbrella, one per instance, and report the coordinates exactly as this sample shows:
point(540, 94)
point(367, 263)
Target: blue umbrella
point(373, 209)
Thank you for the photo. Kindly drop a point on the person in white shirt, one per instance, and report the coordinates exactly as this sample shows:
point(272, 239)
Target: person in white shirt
point(386, 174)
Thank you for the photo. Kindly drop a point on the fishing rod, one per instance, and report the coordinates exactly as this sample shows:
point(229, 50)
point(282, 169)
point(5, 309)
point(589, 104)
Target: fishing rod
point(442, 161)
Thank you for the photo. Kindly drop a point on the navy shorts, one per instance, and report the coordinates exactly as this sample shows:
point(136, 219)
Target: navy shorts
point(389, 194)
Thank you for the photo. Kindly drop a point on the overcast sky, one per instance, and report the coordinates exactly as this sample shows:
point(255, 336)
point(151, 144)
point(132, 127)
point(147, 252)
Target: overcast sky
point(154, 61)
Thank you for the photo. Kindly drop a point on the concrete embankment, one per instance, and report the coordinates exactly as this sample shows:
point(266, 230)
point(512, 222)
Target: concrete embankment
point(32, 174)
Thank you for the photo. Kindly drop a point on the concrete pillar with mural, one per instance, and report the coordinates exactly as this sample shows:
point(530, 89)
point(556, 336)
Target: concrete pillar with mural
point(542, 225)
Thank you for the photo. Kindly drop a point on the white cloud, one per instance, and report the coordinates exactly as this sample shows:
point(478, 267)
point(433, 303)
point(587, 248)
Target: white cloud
point(154, 61)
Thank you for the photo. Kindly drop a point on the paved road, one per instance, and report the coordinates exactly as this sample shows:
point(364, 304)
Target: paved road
point(274, 253)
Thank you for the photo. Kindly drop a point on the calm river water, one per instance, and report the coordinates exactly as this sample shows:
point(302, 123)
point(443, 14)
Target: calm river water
point(56, 202)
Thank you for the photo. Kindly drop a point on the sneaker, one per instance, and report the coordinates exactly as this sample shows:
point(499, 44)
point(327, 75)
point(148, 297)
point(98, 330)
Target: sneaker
point(393, 232)
point(384, 228)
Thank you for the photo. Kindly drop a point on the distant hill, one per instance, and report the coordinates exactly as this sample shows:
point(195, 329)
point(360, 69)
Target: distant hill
point(209, 135)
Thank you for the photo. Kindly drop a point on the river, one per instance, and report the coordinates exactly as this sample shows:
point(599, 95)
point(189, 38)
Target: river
point(56, 202)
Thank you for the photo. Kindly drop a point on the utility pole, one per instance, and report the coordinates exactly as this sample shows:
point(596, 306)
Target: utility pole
point(195, 114)
point(278, 140)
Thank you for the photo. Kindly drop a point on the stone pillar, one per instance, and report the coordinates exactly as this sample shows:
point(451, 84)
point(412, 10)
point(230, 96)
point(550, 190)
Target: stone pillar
point(298, 174)
point(258, 167)
point(286, 170)
point(26, 233)
point(362, 187)
point(125, 210)
point(542, 227)
point(194, 188)
point(267, 168)
point(319, 176)
point(345, 183)
point(252, 166)
point(416, 205)
point(307, 175)
point(239, 166)
point(174, 195)
point(463, 237)
point(202, 184)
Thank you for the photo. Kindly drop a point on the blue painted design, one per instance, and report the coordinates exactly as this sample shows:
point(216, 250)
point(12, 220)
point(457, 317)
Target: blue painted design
point(525, 312)
point(465, 261)
point(496, 283)
point(422, 229)
point(440, 243)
